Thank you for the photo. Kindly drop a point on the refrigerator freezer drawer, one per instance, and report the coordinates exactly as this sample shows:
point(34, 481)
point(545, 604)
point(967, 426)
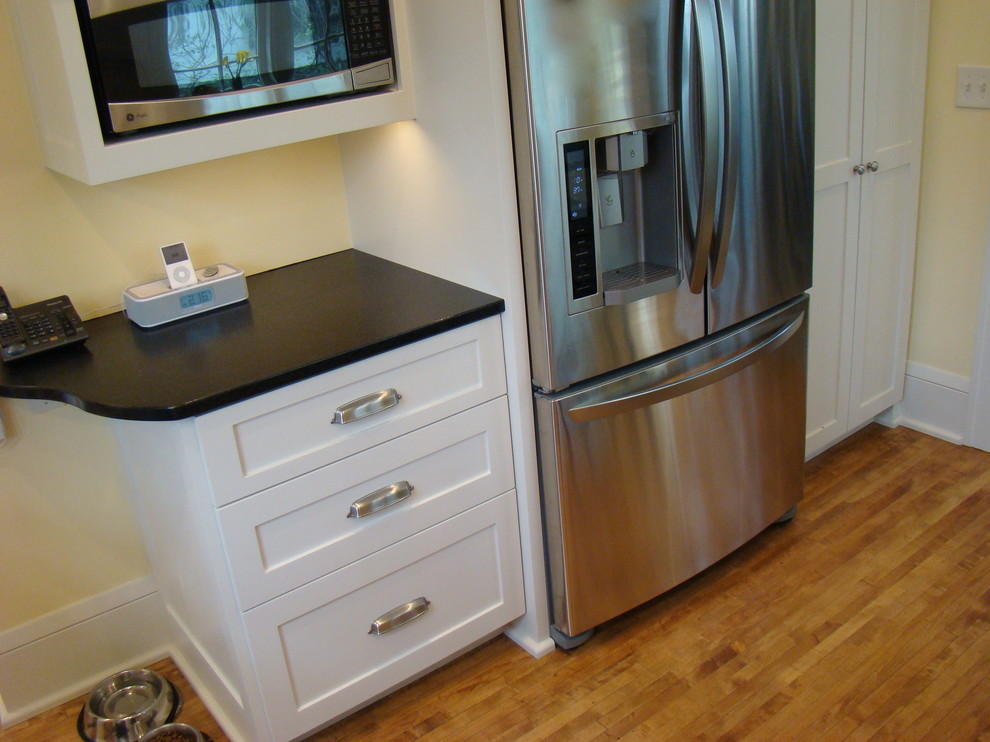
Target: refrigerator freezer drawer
point(654, 474)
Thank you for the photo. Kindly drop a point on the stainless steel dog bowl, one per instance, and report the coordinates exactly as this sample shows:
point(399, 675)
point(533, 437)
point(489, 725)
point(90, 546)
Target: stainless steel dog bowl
point(127, 705)
point(175, 733)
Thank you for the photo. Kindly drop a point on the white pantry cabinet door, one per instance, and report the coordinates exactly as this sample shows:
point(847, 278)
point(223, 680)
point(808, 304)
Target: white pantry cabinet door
point(870, 82)
point(896, 56)
point(840, 47)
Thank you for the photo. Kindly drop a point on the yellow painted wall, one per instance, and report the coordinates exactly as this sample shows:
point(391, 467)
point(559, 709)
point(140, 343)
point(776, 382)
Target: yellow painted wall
point(67, 531)
point(955, 194)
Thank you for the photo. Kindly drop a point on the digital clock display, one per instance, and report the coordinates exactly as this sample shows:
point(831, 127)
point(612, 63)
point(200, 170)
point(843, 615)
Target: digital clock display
point(195, 299)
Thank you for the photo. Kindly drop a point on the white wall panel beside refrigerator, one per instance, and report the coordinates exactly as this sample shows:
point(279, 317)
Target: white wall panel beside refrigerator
point(870, 83)
point(438, 194)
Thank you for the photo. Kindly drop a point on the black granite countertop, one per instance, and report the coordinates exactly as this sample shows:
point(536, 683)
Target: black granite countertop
point(299, 321)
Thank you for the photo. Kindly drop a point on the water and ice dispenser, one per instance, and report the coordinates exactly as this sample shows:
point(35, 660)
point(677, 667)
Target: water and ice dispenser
point(622, 215)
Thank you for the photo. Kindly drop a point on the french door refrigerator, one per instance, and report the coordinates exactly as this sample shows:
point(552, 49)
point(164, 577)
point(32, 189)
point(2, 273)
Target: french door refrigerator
point(665, 174)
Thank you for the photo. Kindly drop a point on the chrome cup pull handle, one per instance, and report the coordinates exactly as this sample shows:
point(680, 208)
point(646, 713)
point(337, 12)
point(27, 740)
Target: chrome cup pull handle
point(365, 406)
point(399, 616)
point(378, 500)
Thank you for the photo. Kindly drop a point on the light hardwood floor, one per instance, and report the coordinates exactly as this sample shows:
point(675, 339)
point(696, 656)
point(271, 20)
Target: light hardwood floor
point(865, 618)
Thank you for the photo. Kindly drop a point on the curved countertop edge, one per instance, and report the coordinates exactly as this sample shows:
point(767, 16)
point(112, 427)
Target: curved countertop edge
point(484, 306)
point(215, 401)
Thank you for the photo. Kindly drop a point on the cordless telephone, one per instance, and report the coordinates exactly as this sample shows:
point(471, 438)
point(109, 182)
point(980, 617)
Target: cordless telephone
point(36, 328)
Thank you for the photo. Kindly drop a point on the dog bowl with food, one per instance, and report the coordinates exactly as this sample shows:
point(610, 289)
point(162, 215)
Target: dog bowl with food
point(175, 733)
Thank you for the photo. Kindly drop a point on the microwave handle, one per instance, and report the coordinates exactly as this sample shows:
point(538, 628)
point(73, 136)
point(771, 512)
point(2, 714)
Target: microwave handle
point(99, 8)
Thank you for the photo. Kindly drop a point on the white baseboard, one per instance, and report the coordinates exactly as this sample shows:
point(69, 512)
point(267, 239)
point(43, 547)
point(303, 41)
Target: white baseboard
point(935, 402)
point(64, 654)
point(536, 647)
point(72, 614)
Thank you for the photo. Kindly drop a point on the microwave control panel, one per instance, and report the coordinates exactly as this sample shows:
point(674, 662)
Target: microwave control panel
point(369, 34)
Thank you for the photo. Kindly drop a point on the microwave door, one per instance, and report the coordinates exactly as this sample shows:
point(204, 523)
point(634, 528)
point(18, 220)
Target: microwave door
point(652, 476)
point(173, 61)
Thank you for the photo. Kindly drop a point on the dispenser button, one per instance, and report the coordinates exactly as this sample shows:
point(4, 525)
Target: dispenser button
point(609, 200)
point(632, 150)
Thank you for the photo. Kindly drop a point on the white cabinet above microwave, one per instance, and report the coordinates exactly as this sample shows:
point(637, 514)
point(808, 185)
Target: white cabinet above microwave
point(66, 111)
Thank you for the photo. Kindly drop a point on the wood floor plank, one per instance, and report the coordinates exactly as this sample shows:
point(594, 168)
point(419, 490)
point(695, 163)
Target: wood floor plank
point(967, 719)
point(949, 687)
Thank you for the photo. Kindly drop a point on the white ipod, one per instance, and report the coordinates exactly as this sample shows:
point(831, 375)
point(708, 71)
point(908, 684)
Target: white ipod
point(178, 267)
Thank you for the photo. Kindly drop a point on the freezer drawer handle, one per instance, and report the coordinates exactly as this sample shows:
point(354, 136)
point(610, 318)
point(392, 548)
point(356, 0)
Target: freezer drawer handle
point(378, 500)
point(690, 383)
point(365, 406)
point(399, 616)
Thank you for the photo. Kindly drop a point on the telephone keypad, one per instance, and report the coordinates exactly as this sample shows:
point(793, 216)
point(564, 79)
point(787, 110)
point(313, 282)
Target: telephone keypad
point(38, 327)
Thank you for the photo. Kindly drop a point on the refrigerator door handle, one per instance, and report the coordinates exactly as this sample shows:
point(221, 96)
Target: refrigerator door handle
point(706, 23)
point(708, 374)
point(730, 154)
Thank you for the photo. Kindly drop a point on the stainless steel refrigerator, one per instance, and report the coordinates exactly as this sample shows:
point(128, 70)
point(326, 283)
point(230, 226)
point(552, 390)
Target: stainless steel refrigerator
point(664, 169)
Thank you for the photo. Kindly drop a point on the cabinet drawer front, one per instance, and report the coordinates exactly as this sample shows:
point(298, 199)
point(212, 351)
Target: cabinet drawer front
point(303, 529)
point(265, 440)
point(314, 654)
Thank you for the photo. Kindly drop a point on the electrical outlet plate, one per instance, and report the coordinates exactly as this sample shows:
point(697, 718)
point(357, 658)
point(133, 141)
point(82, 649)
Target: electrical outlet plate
point(973, 87)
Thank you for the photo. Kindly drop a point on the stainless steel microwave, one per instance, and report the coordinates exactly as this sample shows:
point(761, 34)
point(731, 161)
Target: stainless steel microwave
point(164, 62)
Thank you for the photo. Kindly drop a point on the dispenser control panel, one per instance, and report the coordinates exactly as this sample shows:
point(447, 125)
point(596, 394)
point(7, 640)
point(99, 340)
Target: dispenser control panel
point(580, 219)
point(622, 214)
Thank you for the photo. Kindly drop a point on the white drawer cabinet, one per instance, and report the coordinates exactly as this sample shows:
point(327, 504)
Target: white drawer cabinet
point(314, 645)
point(268, 439)
point(272, 587)
point(297, 531)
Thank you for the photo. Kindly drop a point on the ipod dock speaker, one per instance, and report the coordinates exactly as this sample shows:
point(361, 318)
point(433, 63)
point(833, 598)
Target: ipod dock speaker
point(156, 303)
